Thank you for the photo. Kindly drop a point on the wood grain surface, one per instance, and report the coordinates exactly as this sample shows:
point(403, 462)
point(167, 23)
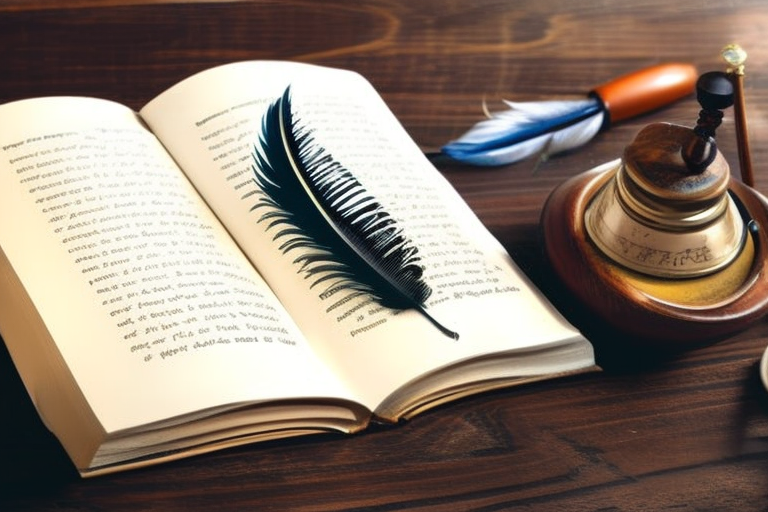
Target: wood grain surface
point(654, 431)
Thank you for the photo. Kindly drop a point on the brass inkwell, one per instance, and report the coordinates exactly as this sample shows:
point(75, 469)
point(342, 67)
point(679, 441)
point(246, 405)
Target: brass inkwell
point(664, 243)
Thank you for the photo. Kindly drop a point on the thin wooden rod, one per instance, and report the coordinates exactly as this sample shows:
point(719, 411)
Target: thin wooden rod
point(736, 56)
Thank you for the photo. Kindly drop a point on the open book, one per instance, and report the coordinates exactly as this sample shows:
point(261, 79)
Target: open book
point(154, 312)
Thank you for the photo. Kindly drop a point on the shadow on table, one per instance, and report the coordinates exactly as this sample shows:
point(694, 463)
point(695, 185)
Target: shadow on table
point(33, 462)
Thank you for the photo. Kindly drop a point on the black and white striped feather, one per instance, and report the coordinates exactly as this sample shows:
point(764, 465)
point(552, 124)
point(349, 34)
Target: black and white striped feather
point(348, 241)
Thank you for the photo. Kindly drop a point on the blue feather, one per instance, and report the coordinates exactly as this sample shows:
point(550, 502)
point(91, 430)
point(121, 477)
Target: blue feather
point(526, 129)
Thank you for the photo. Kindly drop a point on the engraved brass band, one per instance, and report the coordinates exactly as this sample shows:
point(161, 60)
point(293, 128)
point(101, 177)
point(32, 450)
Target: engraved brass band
point(660, 239)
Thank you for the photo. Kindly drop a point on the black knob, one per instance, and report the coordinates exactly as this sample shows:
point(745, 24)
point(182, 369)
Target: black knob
point(714, 91)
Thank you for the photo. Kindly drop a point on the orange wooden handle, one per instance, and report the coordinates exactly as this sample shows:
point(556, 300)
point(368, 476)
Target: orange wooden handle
point(645, 90)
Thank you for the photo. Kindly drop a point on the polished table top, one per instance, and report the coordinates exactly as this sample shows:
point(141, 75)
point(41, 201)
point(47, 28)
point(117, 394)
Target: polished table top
point(681, 432)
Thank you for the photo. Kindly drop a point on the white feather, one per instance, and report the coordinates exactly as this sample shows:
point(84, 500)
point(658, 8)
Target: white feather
point(574, 136)
point(515, 134)
point(544, 145)
point(543, 109)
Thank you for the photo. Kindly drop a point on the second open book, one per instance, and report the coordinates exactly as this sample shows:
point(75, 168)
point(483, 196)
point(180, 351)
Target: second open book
point(153, 314)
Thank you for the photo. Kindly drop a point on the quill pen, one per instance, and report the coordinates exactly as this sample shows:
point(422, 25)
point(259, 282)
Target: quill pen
point(550, 127)
point(350, 243)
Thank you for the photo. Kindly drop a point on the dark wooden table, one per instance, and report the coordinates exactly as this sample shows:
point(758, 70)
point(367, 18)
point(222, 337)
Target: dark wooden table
point(678, 432)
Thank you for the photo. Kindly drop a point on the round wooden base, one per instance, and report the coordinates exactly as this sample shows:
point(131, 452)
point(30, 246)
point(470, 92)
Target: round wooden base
point(612, 291)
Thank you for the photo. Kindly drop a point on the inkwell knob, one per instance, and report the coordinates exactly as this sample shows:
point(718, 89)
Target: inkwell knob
point(714, 91)
point(667, 212)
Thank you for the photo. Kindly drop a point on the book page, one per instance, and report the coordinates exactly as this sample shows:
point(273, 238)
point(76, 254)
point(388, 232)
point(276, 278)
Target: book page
point(211, 124)
point(154, 309)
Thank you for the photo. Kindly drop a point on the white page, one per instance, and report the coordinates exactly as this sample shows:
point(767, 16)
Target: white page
point(110, 263)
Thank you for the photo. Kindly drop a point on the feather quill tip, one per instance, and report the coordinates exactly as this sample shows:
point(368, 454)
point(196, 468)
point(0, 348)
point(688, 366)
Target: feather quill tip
point(451, 334)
